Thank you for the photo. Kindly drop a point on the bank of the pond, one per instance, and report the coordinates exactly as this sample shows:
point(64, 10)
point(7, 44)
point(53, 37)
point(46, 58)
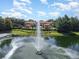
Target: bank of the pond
point(21, 32)
point(61, 38)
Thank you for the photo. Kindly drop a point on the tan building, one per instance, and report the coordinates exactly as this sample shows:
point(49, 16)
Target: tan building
point(46, 25)
point(29, 24)
point(32, 24)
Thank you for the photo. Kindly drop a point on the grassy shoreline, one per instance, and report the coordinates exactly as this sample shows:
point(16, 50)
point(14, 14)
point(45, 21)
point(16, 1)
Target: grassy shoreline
point(21, 32)
point(63, 40)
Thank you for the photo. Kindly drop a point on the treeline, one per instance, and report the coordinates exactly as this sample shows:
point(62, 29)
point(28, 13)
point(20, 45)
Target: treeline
point(67, 24)
point(63, 24)
point(7, 24)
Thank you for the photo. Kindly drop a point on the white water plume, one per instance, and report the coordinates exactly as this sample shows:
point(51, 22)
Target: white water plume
point(10, 53)
point(39, 40)
point(15, 44)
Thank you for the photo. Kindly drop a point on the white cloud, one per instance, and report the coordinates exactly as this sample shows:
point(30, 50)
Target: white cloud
point(68, 6)
point(17, 4)
point(27, 11)
point(44, 1)
point(27, 1)
point(74, 4)
point(61, 6)
point(19, 10)
point(30, 8)
point(41, 13)
point(55, 14)
point(76, 12)
point(22, 7)
point(13, 14)
point(70, 0)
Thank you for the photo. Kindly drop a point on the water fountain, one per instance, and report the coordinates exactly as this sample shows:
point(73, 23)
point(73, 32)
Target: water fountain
point(38, 48)
point(40, 43)
point(39, 40)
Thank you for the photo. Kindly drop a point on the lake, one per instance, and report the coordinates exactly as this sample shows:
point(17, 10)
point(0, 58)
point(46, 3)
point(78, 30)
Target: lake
point(56, 48)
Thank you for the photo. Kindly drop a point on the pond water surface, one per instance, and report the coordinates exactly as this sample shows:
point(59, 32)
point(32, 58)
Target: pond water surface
point(56, 49)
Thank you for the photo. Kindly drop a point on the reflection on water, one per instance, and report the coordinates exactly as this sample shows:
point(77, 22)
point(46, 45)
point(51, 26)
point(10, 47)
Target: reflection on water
point(75, 47)
point(68, 43)
point(4, 50)
point(61, 48)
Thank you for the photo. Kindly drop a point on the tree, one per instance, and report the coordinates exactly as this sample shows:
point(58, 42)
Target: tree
point(63, 25)
point(1, 20)
point(74, 23)
point(8, 23)
point(17, 23)
point(66, 24)
point(2, 26)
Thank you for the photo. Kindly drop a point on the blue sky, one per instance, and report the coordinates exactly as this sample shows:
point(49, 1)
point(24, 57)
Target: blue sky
point(39, 9)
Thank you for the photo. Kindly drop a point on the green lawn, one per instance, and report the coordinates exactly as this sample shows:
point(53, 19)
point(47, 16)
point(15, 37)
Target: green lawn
point(51, 33)
point(20, 32)
point(77, 33)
